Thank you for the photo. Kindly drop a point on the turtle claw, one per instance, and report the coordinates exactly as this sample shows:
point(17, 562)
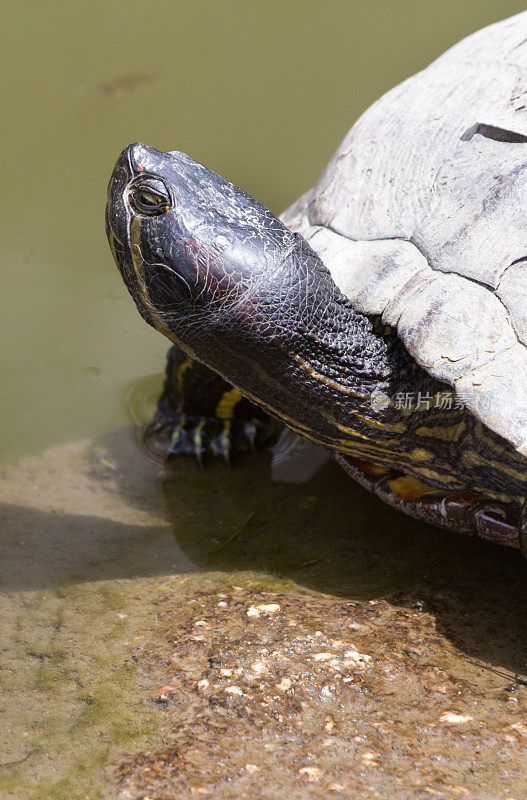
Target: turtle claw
point(250, 432)
point(198, 441)
point(199, 414)
point(172, 434)
point(181, 434)
point(221, 445)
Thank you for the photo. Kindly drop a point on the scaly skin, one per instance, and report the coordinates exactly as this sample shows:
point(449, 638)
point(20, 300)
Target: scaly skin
point(219, 275)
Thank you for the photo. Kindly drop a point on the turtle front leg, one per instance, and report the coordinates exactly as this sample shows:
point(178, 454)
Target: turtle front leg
point(199, 413)
point(464, 512)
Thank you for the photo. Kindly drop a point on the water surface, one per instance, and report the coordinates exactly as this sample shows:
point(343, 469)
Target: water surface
point(262, 92)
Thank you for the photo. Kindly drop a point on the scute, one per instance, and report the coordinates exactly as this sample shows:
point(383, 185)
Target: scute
point(450, 327)
point(421, 216)
point(496, 394)
point(512, 291)
point(477, 226)
point(393, 169)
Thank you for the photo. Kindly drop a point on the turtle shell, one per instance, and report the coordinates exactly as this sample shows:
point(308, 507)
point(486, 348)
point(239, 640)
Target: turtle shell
point(421, 217)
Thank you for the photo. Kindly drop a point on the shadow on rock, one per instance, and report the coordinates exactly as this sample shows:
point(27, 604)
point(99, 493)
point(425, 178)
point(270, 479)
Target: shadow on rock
point(332, 536)
point(99, 509)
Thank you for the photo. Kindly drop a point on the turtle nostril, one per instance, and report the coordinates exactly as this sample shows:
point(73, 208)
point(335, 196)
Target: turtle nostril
point(135, 157)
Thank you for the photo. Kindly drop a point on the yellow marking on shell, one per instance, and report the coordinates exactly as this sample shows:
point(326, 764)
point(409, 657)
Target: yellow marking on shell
point(374, 469)
point(408, 488)
point(447, 433)
point(420, 454)
point(477, 460)
point(227, 404)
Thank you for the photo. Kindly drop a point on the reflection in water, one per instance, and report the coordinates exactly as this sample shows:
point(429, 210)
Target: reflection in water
point(141, 402)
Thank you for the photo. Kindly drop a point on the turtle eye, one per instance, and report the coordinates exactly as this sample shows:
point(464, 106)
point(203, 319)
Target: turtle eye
point(149, 198)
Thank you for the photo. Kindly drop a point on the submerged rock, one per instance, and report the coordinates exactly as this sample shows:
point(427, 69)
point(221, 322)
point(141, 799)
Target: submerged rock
point(209, 633)
point(323, 696)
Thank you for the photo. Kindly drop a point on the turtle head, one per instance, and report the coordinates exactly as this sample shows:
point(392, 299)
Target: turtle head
point(198, 255)
point(218, 274)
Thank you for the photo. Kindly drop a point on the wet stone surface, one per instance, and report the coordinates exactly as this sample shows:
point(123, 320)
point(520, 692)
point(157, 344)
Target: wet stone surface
point(204, 632)
point(287, 693)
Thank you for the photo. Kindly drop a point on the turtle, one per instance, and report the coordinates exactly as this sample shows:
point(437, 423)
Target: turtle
point(383, 316)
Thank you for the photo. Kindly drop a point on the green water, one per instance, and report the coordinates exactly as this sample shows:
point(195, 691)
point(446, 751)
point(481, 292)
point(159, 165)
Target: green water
point(261, 92)
point(90, 530)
